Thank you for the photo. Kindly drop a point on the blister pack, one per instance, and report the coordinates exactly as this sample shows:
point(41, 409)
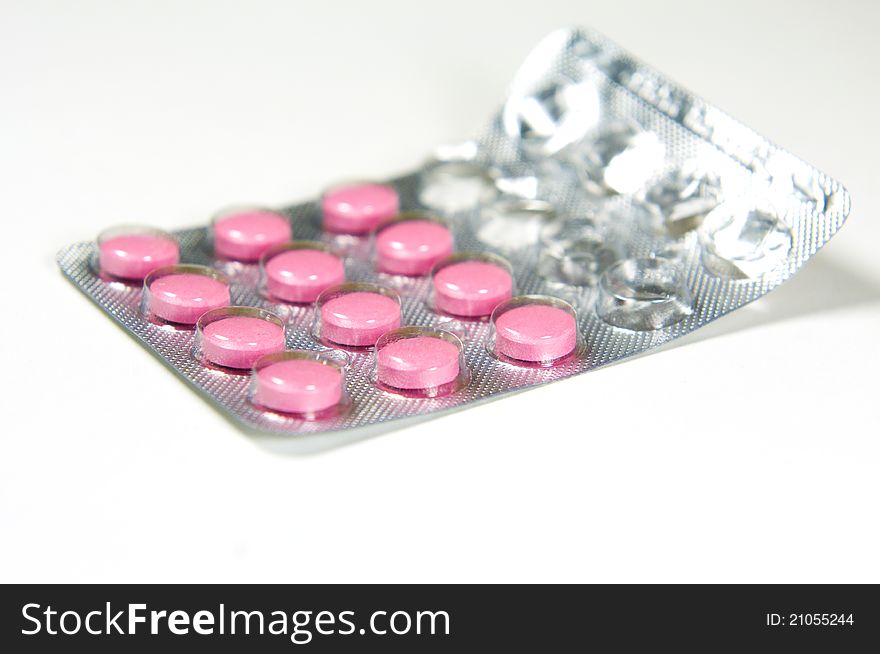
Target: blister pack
point(603, 211)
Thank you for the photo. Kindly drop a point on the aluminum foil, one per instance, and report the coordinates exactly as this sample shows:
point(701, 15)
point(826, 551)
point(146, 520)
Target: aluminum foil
point(603, 183)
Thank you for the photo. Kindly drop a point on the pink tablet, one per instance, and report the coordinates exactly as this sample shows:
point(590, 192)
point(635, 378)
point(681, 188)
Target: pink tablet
point(301, 275)
point(535, 333)
point(359, 208)
point(237, 341)
point(246, 235)
point(412, 247)
point(358, 318)
point(135, 255)
point(421, 362)
point(471, 288)
point(298, 386)
point(182, 297)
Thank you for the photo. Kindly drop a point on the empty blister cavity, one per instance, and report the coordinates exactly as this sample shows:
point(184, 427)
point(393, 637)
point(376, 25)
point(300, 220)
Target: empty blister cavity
point(131, 252)
point(454, 152)
point(545, 119)
point(515, 182)
point(181, 294)
point(534, 331)
point(643, 295)
point(454, 186)
point(471, 285)
point(246, 233)
point(235, 337)
point(358, 208)
point(511, 225)
point(299, 383)
point(742, 241)
point(575, 252)
point(790, 180)
point(681, 199)
point(634, 217)
point(299, 271)
point(621, 158)
point(807, 187)
point(355, 314)
point(419, 362)
point(412, 244)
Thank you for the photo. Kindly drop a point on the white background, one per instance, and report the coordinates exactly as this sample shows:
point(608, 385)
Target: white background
point(746, 452)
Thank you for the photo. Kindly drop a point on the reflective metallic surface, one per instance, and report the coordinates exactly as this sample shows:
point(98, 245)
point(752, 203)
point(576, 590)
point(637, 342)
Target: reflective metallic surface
point(683, 197)
point(742, 241)
point(514, 224)
point(619, 159)
point(553, 116)
point(456, 186)
point(650, 211)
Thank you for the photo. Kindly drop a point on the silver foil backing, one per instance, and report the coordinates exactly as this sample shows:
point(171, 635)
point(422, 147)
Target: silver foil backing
point(604, 183)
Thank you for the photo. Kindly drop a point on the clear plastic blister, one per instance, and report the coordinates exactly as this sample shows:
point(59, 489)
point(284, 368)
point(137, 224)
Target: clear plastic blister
point(244, 233)
point(603, 211)
point(299, 271)
point(181, 294)
point(469, 285)
point(355, 315)
point(128, 253)
point(300, 385)
point(233, 338)
point(411, 243)
point(416, 362)
point(534, 331)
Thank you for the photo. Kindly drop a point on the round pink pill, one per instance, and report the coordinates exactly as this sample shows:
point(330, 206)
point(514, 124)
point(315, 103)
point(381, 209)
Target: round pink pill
point(247, 235)
point(184, 297)
point(134, 256)
point(358, 209)
point(418, 363)
point(238, 341)
point(535, 332)
point(412, 247)
point(359, 318)
point(301, 275)
point(471, 288)
point(298, 386)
